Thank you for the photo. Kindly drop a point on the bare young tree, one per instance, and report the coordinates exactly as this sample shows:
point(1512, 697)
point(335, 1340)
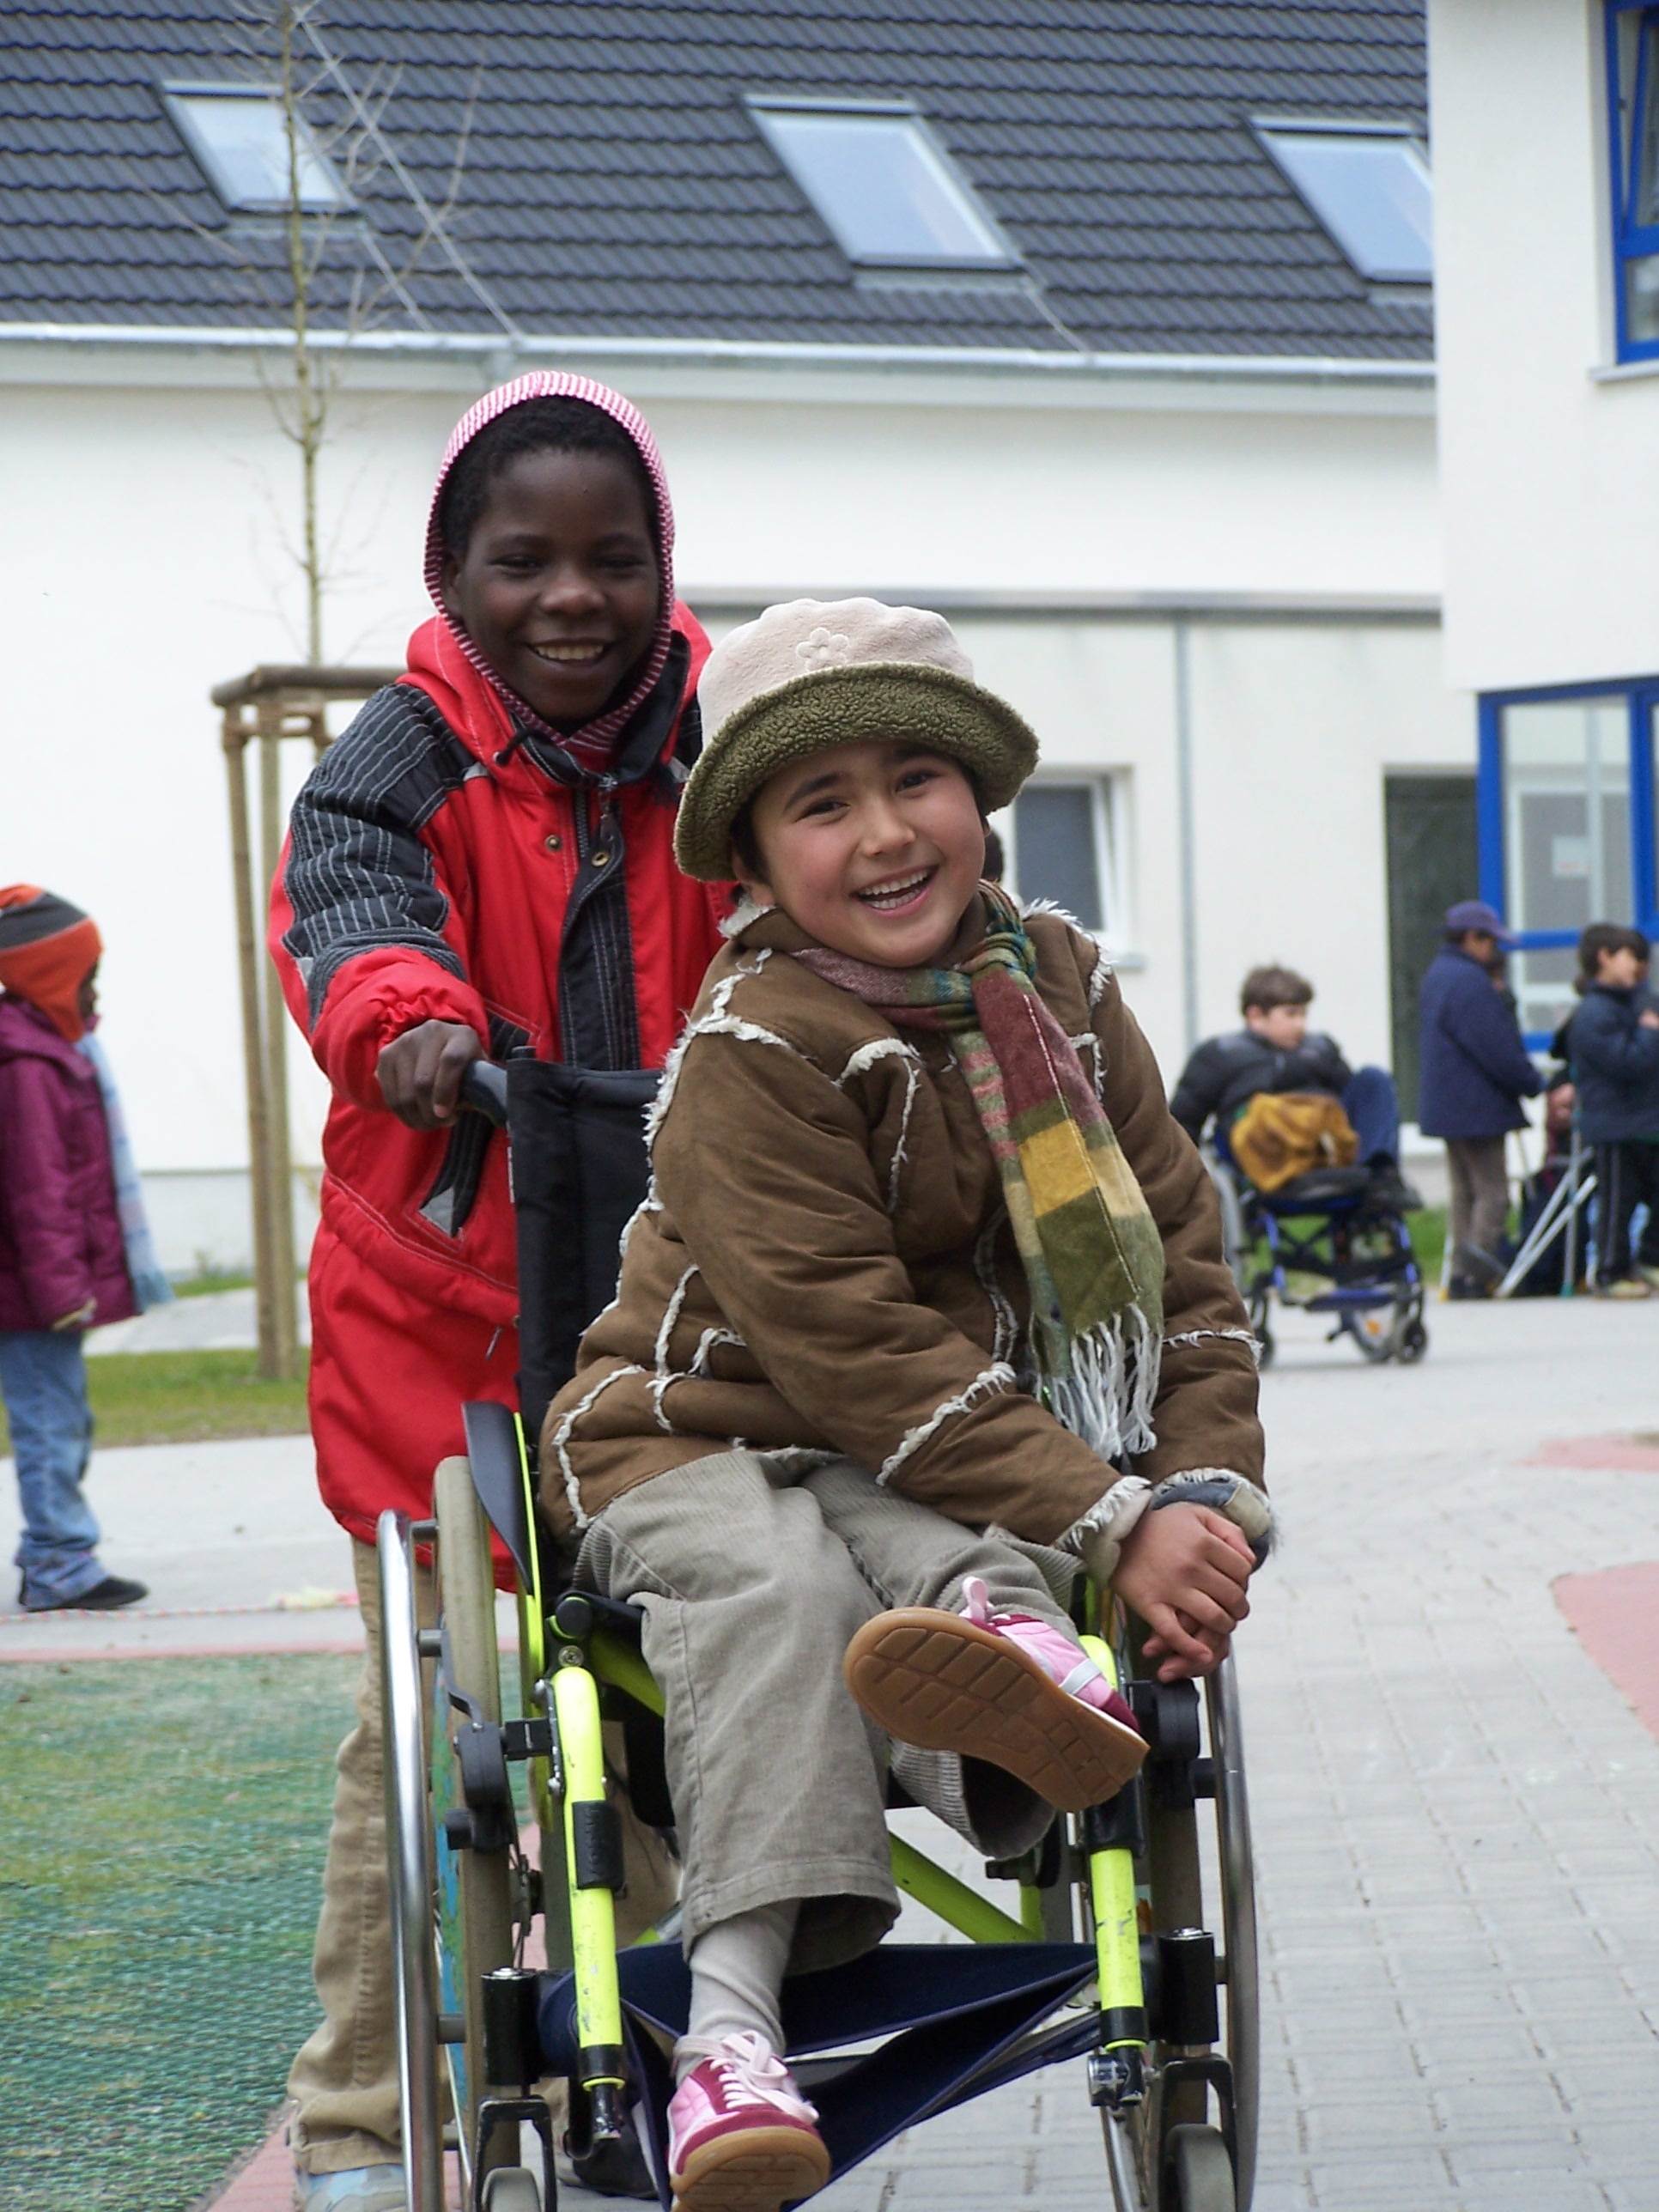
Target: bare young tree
point(331, 278)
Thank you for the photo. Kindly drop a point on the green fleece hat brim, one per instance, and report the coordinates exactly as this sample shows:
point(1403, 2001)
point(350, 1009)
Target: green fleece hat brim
point(860, 703)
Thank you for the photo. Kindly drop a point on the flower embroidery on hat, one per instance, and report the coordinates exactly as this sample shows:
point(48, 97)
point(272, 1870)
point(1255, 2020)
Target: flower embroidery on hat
point(825, 649)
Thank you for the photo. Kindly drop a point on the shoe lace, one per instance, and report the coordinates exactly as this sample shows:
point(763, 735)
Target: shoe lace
point(976, 1603)
point(747, 2067)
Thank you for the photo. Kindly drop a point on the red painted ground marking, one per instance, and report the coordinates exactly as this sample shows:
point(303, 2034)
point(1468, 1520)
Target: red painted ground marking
point(1621, 1454)
point(266, 2183)
point(1615, 1616)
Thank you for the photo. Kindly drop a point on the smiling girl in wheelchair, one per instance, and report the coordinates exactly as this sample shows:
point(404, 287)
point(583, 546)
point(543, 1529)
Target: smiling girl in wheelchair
point(927, 1315)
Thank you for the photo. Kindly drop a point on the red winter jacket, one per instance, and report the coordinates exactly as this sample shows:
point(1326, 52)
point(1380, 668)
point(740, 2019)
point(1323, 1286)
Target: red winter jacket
point(437, 871)
point(60, 1229)
point(453, 858)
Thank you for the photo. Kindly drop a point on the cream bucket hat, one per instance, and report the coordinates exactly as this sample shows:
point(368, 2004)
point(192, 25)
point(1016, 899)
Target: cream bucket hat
point(814, 673)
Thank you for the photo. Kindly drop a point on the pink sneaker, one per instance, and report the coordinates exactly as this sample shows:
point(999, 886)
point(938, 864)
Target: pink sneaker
point(741, 2136)
point(1005, 1688)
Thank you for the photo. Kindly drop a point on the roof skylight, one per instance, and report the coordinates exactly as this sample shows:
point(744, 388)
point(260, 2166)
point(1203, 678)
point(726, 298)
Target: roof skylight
point(1372, 191)
point(887, 190)
point(238, 135)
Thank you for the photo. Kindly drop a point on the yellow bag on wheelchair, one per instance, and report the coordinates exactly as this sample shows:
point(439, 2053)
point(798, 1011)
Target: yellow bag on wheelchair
point(1281, 1134)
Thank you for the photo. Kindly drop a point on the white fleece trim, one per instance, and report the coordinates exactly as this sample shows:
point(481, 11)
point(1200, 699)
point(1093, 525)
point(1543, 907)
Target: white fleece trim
point(860, 1063)
point(1090, 1042)
point(1005, 1322)
point(665, 1374)
point(741, 915)
point(706, 1343)
point(562, 1438)
point(881, 1047)
point(1103, 974)
point(1235, 1335)
point(998, 1377)
point(716, 1021)
point(1115, 1512)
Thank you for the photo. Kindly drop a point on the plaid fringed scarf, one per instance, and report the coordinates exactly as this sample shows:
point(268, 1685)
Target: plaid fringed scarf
point(1091, 1252)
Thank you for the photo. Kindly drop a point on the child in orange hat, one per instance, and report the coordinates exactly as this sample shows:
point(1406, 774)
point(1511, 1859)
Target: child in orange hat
point(74, 1248)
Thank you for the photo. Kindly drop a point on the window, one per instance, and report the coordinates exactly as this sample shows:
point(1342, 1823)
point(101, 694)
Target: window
point(887, 190)
point(1566, 829)
point(1062, 849)
point(1633, 145)
point(238, 135)
point(1371, 190)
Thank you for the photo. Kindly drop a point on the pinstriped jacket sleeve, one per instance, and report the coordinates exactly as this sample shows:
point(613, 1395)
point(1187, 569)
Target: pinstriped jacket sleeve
point(360, 911)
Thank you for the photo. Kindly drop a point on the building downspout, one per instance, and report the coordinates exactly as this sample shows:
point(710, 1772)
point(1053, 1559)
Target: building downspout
point(1186, 811)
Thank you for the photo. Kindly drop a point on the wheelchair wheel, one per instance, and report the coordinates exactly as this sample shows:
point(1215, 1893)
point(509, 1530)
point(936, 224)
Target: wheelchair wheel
point(513, 2189)
point(475, 1844)
point(409, 1867)
point(1197, 2170)
point(1165, 2154)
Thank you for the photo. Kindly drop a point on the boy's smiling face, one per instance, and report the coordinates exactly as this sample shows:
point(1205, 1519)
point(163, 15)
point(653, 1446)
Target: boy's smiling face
point(559, 586)
point(876, 849)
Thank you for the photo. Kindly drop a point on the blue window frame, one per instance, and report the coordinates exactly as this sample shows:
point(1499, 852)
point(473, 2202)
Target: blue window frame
point(1633, 32)
point(1566, 800)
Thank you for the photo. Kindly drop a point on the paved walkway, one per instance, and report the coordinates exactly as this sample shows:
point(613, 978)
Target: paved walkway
point(1456, 1809)
point(217, 1321)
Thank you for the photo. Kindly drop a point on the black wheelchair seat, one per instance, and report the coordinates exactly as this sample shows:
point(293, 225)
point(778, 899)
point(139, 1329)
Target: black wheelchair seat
point(1319, 1188)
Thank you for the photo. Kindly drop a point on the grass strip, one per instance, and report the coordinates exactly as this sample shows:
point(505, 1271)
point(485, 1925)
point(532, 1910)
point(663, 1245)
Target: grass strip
point(162, 1824)
point(186, 1397)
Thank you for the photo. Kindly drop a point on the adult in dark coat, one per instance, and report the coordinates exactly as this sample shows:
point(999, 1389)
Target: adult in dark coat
point(1611, 1044)
point(1475, 1071)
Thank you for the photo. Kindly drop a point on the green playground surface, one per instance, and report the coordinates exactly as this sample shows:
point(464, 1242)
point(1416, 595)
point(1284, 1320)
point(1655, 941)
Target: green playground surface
point(162, 1824)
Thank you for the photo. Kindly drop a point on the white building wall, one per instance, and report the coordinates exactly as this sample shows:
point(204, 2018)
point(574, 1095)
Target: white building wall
point(150, 503)
point(1549, 452)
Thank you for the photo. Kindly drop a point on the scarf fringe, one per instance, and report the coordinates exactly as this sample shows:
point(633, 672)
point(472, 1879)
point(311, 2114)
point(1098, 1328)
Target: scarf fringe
point(1106, 1400)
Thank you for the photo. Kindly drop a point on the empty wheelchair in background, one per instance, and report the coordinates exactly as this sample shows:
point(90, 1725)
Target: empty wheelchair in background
point(1127, 1942)
point(1322, 1243)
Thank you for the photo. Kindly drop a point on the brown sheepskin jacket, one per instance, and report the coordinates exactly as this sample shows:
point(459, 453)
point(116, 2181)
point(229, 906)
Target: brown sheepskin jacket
point(825, 1260)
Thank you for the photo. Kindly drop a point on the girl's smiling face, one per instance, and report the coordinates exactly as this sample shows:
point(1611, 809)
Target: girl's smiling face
point(876, 849)
point(559, 585)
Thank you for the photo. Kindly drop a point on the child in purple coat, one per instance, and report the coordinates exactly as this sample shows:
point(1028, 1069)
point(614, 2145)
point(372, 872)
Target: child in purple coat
point(73, 1245)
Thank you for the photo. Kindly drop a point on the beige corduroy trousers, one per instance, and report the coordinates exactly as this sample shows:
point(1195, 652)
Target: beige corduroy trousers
point(753, 1577)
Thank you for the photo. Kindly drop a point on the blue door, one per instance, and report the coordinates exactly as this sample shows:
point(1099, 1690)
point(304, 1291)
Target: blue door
point(1566, 828)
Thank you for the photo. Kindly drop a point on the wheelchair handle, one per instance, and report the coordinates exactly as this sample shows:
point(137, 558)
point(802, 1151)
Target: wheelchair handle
point(484, 1088)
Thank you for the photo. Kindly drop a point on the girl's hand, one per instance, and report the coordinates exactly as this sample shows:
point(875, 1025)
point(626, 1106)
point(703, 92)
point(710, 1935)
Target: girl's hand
point(1185, 1569)
point(420, 1073)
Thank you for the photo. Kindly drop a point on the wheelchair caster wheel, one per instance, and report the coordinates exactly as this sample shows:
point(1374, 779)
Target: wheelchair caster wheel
point(511, 2189)
point(1198, 2172)
point(1413, 1343)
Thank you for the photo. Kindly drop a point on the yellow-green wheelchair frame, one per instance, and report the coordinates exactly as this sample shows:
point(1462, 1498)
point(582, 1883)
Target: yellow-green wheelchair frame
point(1178, 2106)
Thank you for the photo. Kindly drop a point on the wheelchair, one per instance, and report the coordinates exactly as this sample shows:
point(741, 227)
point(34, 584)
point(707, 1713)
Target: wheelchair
point(1128, 1944)
point(1321, 1243)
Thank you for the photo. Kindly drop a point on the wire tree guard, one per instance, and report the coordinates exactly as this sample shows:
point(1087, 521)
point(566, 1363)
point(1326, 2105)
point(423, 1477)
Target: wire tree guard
point(266, 707)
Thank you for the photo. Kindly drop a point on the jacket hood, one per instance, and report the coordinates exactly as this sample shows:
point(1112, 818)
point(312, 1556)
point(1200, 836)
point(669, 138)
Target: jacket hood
point(545, 384)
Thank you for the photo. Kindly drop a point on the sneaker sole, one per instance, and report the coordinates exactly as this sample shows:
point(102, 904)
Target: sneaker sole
point(759, 2170)
point(938, 1681)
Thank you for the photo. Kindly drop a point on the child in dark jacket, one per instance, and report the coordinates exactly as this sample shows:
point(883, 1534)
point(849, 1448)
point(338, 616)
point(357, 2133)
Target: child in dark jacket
point(1275, 1051)
point(71, 1251)
point(1612, 1043)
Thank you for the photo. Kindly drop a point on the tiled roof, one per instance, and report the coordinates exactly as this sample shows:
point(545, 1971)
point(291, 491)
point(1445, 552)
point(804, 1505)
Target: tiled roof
point(614, 185)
